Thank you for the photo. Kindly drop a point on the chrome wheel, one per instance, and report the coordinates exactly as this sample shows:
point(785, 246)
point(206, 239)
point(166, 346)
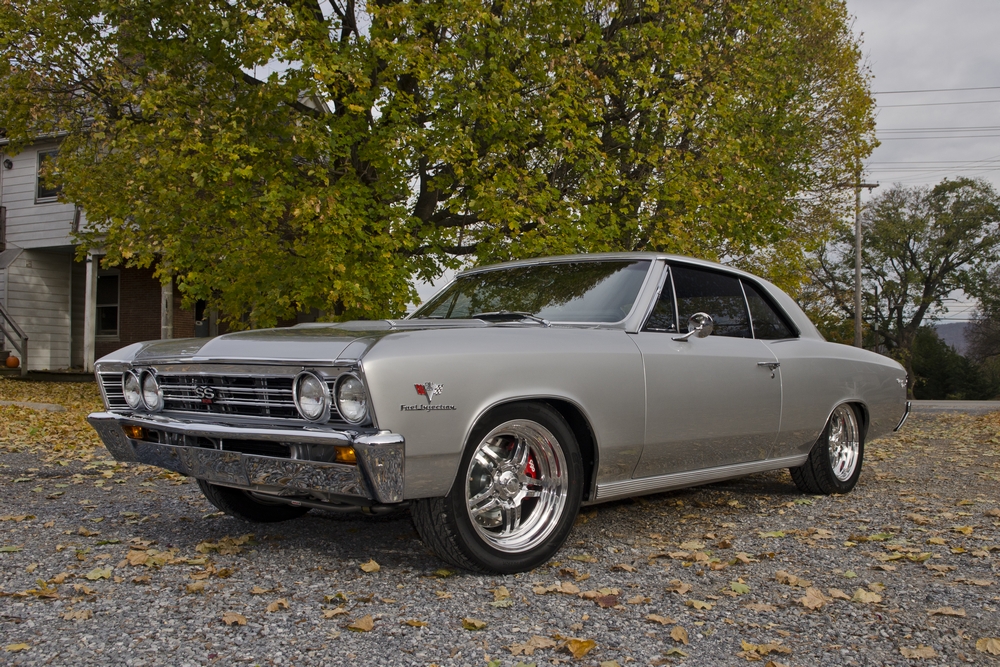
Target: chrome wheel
point(516, 486)
point(844, 442)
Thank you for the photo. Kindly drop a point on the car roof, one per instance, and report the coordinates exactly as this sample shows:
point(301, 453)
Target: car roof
point(606, 256)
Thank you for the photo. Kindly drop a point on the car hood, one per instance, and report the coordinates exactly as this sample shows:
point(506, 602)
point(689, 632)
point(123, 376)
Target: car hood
point(319, 342)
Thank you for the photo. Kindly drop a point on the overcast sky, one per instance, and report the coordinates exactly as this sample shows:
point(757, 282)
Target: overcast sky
point(928, 45)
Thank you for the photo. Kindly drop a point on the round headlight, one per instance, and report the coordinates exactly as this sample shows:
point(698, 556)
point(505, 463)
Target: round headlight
point(152, 397)
point(351, 400)
point(131, 389)
point(312, 398)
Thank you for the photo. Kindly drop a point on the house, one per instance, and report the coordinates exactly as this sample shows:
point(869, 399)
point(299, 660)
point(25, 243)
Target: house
point(72, 312)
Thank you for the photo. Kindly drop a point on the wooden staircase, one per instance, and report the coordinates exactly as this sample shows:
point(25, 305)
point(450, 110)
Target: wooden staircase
point(12, 333)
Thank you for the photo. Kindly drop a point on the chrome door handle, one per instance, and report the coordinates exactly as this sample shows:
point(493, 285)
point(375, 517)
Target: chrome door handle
point(772, 365)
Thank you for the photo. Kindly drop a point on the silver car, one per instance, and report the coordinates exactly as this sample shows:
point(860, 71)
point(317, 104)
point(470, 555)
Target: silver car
point(515, 395)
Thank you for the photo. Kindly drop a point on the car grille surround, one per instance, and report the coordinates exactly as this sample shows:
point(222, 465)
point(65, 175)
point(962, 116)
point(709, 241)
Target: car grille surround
point(264, 396)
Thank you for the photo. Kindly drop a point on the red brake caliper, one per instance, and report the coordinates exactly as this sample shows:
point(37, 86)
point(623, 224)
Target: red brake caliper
point(531, 470)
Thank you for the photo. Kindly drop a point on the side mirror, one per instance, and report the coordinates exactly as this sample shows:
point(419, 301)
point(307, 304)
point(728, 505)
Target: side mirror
point(699, 325)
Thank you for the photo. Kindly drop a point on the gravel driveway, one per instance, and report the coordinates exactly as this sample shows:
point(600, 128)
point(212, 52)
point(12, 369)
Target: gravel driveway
point(104, 563)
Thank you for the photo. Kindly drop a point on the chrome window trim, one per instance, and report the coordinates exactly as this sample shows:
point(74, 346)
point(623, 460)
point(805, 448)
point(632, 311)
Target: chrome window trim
point(770, 303)
point(746, 304)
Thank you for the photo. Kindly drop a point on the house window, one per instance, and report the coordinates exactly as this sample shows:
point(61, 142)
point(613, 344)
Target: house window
point(107, 304)
point(45, 190)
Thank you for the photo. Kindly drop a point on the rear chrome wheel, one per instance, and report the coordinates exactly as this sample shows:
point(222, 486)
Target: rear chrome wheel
point(834, 464)
point(844, 442)
point(516, 496)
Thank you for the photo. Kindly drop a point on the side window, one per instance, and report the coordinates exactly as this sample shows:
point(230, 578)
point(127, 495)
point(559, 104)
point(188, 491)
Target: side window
point(663, 317)
point(44, 190)
point(717, 294)
point(767, 323)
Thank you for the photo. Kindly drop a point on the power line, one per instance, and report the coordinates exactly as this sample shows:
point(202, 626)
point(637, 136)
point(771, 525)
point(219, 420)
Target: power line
point(931, 90)
point(970, 128)
point(935, 104)
point(948, 136)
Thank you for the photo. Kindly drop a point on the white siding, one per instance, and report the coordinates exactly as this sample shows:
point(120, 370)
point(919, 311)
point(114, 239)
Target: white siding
point(31, 225)
point(38, 298)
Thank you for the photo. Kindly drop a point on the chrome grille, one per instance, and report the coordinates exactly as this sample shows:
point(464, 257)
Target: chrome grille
point(249, 396)
point(111, 383)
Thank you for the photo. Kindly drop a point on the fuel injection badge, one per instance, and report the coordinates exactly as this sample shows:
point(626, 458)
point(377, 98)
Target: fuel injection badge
point(428, 390)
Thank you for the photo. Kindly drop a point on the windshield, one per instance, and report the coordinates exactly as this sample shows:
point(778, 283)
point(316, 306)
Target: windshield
point(592, 291)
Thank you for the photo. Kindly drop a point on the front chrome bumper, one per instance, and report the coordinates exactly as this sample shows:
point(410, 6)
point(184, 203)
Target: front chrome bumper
point(377, 478)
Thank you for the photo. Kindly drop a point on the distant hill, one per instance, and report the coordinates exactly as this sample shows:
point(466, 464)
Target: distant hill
point(953, 333)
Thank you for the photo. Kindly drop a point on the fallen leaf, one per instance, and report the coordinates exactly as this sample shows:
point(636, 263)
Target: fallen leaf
point(813, 599)
point(584, 558)
point(760, 606)
point(606, 601)
point(965, 530)
point(580, 647)
point(59, 578)
point(866, 597)
point(257, 590)
point(946, 611)
point(529, 647)
point(662, 620)
point(473, 624)
point(80, 615)
point(196, 587)
point(692, 545)
point(792, 580)
point(739, 587)
point(939, 568)
point(989, 645)
point(639, 599)
point(443, 573)
point(371, 566)
point(773, 533)
point(98, 573)
point(415, 623)
point(331, 613)
point(280, 603)
point(14, 648)
point(698, 604)
point(623, 567)
point(231, 617)
point(919, 652)
point(679, 634)
point(679, 587)
point(837, 594)
point(992, 512)
point(363, 624)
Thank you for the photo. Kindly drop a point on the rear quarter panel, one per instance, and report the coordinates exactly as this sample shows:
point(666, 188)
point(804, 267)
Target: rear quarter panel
point(598, 370)
point(817, 376)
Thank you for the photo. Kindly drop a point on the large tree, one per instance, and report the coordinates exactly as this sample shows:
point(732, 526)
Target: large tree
point(919, 246)
point(283, 155)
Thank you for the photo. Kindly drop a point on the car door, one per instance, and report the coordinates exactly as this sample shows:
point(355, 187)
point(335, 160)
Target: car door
point(710, 401)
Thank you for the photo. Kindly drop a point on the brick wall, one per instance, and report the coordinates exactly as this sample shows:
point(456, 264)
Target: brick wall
point(139, 312)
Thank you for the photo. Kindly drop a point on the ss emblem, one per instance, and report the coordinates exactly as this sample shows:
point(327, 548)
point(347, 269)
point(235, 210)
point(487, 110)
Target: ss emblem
point(205, 393)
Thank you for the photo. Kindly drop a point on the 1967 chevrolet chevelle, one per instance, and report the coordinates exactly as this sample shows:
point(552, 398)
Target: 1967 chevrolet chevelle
point(516, 394)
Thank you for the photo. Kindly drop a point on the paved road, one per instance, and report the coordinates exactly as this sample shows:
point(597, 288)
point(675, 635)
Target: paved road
point(968, 407)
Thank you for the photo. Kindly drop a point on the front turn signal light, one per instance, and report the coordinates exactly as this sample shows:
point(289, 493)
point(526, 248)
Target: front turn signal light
point(345, 455)
point(134, 432)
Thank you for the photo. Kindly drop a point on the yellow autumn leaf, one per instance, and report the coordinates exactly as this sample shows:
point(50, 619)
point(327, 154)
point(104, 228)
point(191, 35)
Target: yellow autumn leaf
point(580, 647)
point(196, 587)
point(699, 604)
point(363, 624)
point(866, 597)
point(231, 617)
point(946, 611)
point(662, 620)
point(280, 603)
point(79, 615)
point(679, 634)
point(371, 566)
point(473, 624)
point(989, 645)
point(919, 652)
point(416, 623)
point(14, 648)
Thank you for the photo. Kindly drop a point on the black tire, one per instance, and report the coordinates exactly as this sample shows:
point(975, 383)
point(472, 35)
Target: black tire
point(818, 475)
point(240, 504)
point(446, 524)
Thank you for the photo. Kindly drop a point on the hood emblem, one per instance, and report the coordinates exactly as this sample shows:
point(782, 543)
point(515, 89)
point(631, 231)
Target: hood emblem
point(429, 390)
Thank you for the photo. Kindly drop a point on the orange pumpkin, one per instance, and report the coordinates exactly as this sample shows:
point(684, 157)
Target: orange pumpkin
point(13, 362)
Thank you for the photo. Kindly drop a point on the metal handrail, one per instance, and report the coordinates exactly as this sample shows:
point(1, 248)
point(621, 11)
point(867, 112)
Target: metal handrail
point(20, 343)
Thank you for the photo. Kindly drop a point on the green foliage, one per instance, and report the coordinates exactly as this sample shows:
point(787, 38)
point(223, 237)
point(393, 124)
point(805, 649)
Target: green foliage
point(919, 246)
point(273, 158)
point(941, 373)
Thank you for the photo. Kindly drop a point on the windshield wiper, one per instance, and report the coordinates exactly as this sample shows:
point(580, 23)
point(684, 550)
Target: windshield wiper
point(509, 316)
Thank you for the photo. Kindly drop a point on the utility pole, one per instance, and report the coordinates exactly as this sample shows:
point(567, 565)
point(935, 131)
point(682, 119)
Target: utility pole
point(857, 254)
